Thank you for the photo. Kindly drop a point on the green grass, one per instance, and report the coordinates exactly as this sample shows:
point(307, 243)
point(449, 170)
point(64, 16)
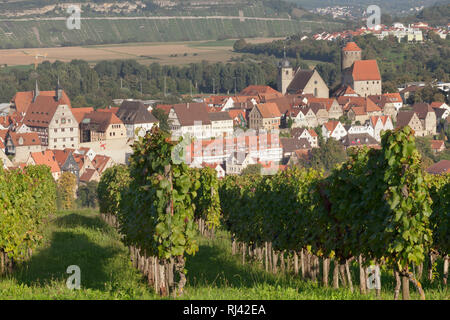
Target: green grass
point(82, 238)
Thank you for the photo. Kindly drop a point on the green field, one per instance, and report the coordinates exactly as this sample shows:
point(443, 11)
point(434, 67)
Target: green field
point(82, 238)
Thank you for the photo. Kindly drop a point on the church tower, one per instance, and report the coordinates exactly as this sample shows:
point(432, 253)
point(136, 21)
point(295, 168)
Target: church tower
point(350, 53)
point(285, 74)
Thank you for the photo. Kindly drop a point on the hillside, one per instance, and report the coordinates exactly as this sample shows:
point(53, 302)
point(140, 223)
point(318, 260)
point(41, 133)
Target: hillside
point(387, 5)
point(24, 24)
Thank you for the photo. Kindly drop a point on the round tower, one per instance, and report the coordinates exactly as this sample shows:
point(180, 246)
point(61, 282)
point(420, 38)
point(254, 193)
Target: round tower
point(350, 53)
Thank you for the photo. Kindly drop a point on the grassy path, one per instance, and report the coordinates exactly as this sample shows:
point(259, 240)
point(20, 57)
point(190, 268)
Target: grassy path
point(82, 238)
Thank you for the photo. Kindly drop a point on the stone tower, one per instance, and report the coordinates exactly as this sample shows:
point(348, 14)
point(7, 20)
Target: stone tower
point(285, 74)
point(350, 53)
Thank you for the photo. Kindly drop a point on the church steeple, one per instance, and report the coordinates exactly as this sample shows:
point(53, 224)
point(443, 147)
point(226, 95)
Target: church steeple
point(36, 92)
point(285, 73)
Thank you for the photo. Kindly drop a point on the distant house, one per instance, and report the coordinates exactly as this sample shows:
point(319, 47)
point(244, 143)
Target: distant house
point(367, 128)
point(290, 145)
point(238, 117)
point(101, 163)
point(331, 105)
point(379, 125)
point(308, 82)
point(90, 175)
point(89, 152)
point(221, 124)
point(408, 91)
point(46, 158)
point(22, 100)
point(265, 116)
point(333, 129)
point(191, 119)
point(437, 146)
point(264, 93)
point(220, 171)
point(101, 126)
point(442, 167)
point(66, 161)
point(50, 116)
point(364, 77)
point(359, 140)
point(20, 145)
point(427, 116)
point(136, 117)
point(237, 162)
point(308, 134)
point(410, 118)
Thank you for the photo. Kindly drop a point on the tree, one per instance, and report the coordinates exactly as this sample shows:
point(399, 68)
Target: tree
point(67, 184)
point(163, 119)
point(330, 153)
point(87, 194)
point(252, 169)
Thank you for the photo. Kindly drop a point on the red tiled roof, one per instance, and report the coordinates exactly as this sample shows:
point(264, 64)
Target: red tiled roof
point(269, 110)
point(352, 46)
point(3, 134)
point(441, 167)
point(100, 162)
point(61, 156)
point(255, 90)
point(22, 100)
point(365, 70)
point(41, 111)
point(25, 139)
point(100, 120)
point(331, 125)
point(165, 107)
point(437, 144)
point(87, 175)
point(79, 113)
point(437, 104)
point(312, 133)
point(109, 109)
point(46, 158)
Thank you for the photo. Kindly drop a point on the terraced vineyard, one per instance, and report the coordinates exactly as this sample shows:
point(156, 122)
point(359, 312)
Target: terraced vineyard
point(49, 33)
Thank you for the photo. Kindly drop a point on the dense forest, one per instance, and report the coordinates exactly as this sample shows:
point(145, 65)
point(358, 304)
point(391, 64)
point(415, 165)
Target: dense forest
point(399, 62)
point(109, 80)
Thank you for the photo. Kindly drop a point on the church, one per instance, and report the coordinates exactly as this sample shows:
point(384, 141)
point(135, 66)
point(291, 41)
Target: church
point(363, 76)
point(301, 81)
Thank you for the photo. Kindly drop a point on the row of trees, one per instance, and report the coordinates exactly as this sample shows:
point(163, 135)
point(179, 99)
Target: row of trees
point(158, 205)
point(121, 79)
point(27, 197)
point(386, 216)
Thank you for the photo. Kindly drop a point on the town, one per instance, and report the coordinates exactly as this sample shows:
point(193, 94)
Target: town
point(258, 126)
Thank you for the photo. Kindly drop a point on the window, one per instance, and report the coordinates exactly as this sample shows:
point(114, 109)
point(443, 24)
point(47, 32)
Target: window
point(56, 130)
point(71, 129)
point(55, 140)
